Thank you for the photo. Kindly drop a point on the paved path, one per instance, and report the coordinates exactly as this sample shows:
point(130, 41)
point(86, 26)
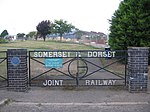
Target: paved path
point(74, 108)
point(75, 100)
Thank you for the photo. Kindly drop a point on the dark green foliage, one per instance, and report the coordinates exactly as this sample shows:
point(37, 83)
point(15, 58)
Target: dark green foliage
point(4, 33)
point(20, 35)
point(130, 25)
point(44, 28)
point(2, 40)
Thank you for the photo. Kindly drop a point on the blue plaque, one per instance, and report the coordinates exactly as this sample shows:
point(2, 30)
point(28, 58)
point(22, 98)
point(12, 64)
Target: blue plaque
point(15, 61)
point(53, 63)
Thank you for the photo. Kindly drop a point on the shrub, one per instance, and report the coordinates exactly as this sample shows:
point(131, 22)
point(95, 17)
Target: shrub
point(3, 40)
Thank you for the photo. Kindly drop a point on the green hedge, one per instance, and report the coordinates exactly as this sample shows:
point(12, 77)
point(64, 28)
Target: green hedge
point(3, 40)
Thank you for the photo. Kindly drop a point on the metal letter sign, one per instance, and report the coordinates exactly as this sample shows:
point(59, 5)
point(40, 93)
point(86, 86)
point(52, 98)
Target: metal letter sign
point(53, 63)
point(80, 68)
point(15, 61)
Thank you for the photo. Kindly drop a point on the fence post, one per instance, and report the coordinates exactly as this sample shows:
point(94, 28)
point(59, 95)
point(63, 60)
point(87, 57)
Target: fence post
point(137, 79)
point(17, 70)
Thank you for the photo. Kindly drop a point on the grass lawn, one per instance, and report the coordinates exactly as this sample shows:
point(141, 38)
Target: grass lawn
point(47, 45)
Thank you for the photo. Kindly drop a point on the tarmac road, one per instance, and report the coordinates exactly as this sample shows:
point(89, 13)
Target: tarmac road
point(75, 100)
point(74, 108)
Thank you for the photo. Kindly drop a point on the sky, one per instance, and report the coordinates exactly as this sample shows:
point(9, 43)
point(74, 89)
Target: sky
point(22, 16)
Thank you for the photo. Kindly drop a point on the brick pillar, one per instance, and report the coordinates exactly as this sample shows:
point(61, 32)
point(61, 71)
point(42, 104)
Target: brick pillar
point(137, 79)
point(17, 70)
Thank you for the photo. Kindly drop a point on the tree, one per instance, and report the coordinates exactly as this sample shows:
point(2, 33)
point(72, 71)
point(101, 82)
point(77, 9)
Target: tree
point(44, 28)
point(20, 36)
point(31, 34)
point(60, 27)
point(4, 33)
point(130, 25)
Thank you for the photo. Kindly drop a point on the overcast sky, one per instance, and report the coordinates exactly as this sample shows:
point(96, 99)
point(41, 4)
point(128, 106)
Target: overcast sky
point(22, 16)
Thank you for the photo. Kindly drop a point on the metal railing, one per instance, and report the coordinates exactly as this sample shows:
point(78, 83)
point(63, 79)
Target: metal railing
point(3, 68)
point(79, 68)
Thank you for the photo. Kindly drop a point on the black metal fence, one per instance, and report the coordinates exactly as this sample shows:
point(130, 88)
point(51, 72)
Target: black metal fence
point(3, 69)
point(77, 68)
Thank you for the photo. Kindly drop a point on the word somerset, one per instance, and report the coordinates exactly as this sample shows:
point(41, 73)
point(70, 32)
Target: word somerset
point(48, 54)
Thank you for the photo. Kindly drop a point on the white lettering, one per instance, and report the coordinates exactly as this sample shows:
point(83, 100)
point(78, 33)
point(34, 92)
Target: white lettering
point(59, 54)
point(64, 54)
point(105, 82)
point(53, 83)
point(77, 54)
point(87, 82)
point(35, 54)
point(94, 54)
point(50, 82)
point(45, 54)
point(50, 54)
point(89, 54)
point(55, 54)
point(110, 82)
point(45, 84)
point(109, 54)
point(100, 82)
point(113, 82)
point(61, 82)
point(100, 54)
point(92, 82)
point(40, 54)
point(113, 54)
point(104, 54)
point(68, 54)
